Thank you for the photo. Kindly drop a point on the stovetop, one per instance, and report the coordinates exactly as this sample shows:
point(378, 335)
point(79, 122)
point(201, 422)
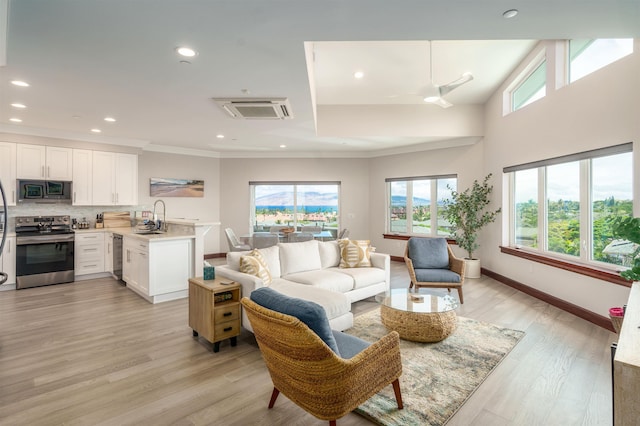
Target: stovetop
point(39, 225)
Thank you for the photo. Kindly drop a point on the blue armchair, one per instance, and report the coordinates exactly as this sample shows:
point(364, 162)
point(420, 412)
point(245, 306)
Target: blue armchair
point(432, 264)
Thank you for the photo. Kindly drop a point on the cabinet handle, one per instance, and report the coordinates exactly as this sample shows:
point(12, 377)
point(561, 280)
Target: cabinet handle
point(74, 197)
point(227, 314)
point(228, 328)
point(14, 195)
point(108, 248)
point(48, 171)
point(128, 255)
point(42, 172)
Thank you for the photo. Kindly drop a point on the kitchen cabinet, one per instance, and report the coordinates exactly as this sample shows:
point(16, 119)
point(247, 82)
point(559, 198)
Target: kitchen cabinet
point(108, 252)
point(44, 162)
point(8, 260)
point(8, 171)
point(115, 179)
point(89, 253)
point(158, 269)
point(82, 177)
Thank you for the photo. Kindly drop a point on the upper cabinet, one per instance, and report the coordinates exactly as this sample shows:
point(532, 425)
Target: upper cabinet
point(8, 171)
point(44, 162)
point(82, 177)
point(115, 179)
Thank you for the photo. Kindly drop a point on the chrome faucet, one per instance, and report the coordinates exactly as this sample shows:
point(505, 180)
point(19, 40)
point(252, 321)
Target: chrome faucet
point(163, 227)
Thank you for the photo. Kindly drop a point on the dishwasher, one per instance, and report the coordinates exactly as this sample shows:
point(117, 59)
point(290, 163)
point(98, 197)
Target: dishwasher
point(117, 256)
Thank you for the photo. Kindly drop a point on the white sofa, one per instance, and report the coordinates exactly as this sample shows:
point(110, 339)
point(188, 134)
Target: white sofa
point(310, 270)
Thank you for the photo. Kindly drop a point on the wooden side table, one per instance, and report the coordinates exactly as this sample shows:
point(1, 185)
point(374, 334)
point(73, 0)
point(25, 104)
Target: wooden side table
point(214, 310)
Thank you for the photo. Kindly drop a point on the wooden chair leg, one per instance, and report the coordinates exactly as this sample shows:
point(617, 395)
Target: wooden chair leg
point(396, 390)
point(410, 284)
point(274, 396)
point(460, 295)
point(332, 423)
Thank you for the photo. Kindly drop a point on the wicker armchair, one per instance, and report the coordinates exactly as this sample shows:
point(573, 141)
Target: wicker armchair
point(312, 375)
point(426, 259)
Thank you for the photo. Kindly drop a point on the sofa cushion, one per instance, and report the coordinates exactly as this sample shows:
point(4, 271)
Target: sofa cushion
point(428, 253)
point(437, 275)
point(334, 304)
point(329, 254)
point(355, 253)
point(324, 278)
point(254, 263)
point(299, 257)
point(363, 277)
point(310, 313)
point(271, 256)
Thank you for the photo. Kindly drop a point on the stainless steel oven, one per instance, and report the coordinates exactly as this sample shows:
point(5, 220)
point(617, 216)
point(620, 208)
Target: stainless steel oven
point(44, 251)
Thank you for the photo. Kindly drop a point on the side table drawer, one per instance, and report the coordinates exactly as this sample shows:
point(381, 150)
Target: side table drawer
point(226, 312)
point(226, 330)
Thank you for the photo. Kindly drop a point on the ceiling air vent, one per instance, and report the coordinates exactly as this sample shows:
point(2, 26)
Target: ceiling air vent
point(256, 108)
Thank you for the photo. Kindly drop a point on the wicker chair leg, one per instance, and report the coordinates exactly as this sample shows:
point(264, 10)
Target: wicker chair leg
point(332, 423)
point(460, 295)
point(396, 390)
point(274, 396)
point(411, 284)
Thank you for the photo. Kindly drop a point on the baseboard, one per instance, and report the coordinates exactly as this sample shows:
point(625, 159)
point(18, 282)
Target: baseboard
point(576, 310)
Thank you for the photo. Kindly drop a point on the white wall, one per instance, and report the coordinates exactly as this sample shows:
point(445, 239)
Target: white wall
point(599, 110)
point(205, 209)
point(235, 175)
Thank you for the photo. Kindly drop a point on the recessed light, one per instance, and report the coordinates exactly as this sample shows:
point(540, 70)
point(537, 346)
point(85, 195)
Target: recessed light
point(186, 51)
point(510, 13)
point(220, 136)
point(21, 106)
point(96, 130)
point(358, 74)
point(20, 83)
point(283, 146)
point(15, 120)
point(110, 119)
point(431, 98)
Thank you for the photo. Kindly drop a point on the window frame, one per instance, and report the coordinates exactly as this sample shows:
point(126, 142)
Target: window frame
point(538, 59)
point(295, 185)
point(586, 204)
point(433, 206)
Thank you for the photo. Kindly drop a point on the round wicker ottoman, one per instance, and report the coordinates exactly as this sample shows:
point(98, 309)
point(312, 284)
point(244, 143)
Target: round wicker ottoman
point(418, 317)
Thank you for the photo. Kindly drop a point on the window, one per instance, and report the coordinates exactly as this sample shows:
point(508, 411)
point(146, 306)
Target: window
point(532, 88)
point(587, 56)
point(564, 206)
point(295, 204)
point(410, 207)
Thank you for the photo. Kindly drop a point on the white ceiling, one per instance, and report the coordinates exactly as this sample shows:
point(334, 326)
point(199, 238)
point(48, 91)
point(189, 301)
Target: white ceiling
point(87, 59)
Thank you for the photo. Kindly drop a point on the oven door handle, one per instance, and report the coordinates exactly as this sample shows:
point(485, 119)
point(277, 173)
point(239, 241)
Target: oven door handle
point(43, 239)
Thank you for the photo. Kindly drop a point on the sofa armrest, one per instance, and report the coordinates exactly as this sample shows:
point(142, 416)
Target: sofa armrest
point(382, 261)
point(247, 281)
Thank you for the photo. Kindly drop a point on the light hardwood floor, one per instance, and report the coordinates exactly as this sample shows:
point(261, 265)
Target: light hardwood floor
point(93, 352)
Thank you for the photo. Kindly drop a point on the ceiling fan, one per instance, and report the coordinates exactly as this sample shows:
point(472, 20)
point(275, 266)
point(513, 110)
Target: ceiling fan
point(433, 94)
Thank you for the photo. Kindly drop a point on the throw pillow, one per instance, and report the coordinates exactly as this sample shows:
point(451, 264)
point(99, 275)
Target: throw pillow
point(355, 253)
point(310, 313)
point(254, 264)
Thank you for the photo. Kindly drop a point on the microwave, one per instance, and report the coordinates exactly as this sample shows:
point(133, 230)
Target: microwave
point(44, 190)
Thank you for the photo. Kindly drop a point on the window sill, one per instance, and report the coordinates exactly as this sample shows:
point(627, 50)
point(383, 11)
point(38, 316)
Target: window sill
point(590, 271)
point(406, 237)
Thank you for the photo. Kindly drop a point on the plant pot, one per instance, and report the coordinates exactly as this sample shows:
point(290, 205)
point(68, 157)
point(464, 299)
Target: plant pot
point(472, 268)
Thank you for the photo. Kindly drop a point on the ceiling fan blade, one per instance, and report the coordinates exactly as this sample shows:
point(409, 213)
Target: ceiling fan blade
point(465, 78)
point(438, 101)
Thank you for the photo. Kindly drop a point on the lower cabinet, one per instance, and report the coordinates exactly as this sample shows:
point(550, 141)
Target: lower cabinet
point(89, 253)
point(8, 260)
point(158, 270)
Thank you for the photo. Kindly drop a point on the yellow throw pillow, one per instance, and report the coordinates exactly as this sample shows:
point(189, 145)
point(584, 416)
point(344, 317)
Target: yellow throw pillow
point(254, 264)
point(355, 253)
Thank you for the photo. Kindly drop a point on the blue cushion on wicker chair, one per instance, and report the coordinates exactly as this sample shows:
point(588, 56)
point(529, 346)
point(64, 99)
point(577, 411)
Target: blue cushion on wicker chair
point(310, 313)
point(437, 275)
point(429, 253)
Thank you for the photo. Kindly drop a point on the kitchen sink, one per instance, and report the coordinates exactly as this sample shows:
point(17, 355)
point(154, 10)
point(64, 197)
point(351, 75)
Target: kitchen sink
point(149, 232)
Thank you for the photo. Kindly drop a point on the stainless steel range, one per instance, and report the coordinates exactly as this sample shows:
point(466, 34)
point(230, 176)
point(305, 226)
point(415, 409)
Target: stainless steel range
point(44, 251)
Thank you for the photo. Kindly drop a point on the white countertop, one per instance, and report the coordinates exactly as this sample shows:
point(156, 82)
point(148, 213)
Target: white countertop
point(130, 232)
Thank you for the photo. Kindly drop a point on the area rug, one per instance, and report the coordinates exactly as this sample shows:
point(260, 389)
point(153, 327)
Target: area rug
point(437, 378)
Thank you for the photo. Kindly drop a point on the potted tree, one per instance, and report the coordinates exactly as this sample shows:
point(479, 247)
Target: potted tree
point(467, 212)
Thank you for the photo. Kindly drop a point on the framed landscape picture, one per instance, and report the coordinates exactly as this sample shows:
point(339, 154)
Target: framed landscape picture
point(168, 187)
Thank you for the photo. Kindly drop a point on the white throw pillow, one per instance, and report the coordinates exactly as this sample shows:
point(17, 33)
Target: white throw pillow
point(299, 257)
point(329, 254)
